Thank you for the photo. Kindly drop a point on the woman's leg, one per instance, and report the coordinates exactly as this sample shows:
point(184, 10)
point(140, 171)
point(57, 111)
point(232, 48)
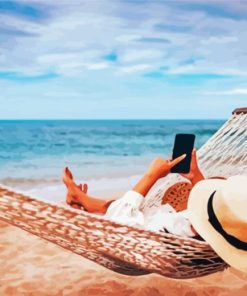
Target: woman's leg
point(78, 195)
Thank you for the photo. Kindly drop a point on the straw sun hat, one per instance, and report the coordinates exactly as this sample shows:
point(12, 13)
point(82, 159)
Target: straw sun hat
point(218, 211)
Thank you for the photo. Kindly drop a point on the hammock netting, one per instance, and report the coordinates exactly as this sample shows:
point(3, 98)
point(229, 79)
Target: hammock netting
point(129, 250)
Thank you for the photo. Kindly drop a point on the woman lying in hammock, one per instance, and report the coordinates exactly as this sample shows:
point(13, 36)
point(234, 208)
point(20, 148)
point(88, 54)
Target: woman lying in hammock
point(126, 210)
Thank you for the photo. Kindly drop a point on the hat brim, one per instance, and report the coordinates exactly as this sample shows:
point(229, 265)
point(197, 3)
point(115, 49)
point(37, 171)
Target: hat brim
point(198, 215)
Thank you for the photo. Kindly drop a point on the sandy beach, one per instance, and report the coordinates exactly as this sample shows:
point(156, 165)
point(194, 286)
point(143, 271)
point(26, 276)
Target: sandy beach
point(32, 266)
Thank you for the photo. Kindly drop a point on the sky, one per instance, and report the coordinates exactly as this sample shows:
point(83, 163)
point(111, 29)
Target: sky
point(122, 59)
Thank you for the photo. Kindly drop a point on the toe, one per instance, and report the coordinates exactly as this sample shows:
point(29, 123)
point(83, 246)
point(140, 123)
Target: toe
point(68, 173)
point(85, 188)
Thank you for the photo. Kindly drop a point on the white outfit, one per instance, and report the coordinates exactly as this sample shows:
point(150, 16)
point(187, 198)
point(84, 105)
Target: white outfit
point(126, 210)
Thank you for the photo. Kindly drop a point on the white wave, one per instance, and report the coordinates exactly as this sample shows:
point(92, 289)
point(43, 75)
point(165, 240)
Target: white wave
point(102, 187)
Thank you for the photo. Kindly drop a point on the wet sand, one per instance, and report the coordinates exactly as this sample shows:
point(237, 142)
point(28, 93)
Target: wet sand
point(32, 266)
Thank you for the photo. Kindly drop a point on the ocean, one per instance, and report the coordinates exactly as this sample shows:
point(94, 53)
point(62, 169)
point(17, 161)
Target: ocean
point(110, 155)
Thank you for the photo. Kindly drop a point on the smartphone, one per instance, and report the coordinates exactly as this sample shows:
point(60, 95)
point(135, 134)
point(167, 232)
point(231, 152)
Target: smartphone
point(184, 144)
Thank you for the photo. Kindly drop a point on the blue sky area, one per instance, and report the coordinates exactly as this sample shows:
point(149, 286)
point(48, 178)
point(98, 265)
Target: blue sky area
point(117, 59)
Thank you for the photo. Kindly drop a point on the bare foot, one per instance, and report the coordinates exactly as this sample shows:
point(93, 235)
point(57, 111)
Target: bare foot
point(70, 200)
point(70, 184)
point(68, 180)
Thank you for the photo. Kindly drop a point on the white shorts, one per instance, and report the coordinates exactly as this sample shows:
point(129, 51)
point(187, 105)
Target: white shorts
point(126, 210)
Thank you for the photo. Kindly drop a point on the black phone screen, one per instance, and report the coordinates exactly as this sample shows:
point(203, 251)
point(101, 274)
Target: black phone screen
point(183, 144)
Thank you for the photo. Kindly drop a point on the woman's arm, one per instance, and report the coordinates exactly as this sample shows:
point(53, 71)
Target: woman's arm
point(159, 168)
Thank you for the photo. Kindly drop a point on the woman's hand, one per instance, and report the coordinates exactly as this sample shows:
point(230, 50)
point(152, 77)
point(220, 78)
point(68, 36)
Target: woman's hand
point(160, 167)
point(194, 175)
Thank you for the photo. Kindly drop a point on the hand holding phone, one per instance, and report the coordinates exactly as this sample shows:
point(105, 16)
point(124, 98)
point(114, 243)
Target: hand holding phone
point(184, 144)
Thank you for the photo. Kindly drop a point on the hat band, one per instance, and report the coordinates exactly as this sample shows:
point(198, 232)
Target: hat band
point(235, 242)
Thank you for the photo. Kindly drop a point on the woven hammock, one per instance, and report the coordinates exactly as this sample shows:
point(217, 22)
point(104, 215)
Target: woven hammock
point(129, 250)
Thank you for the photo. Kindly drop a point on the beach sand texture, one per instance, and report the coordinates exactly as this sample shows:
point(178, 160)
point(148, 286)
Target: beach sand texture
point(32, 266)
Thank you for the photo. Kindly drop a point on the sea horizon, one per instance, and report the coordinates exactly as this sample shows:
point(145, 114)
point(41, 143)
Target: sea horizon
point(109, 119)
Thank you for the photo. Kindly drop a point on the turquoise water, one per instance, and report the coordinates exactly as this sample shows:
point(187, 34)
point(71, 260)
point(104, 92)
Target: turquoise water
point(33, 152)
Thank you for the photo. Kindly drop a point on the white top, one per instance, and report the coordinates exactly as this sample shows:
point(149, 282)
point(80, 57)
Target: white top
point(126, 210)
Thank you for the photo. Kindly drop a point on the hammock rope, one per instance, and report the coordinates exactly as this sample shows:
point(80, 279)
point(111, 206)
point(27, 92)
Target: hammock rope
point(129, 250)
point(224, 154)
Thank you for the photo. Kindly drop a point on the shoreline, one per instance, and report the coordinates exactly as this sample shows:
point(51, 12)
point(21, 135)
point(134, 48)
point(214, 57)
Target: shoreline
point(54, 190)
